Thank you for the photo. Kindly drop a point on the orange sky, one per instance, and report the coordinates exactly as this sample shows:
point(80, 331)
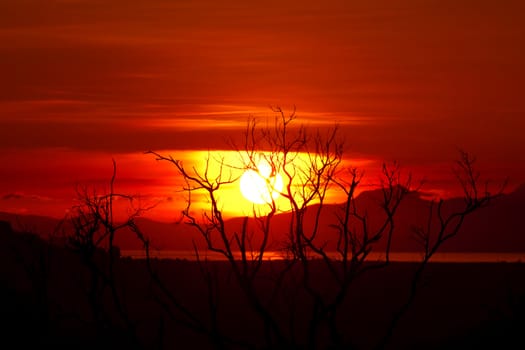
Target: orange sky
point(85, 81)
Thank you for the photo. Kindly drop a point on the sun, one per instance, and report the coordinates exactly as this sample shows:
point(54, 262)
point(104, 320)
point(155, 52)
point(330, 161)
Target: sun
point(259, 186)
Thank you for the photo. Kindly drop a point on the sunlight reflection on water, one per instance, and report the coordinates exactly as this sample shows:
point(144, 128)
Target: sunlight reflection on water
point(462, 257)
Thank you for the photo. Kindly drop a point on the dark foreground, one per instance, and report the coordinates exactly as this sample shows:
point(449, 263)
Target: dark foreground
point(49, 296)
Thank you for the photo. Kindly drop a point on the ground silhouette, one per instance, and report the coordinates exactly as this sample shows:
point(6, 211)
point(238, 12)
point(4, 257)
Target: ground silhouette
point(45, 301)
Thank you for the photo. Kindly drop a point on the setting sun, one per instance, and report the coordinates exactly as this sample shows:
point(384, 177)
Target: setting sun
point(260, 187)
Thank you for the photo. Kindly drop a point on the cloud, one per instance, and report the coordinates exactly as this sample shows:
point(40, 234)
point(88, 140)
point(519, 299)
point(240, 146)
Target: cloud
point(21, 196)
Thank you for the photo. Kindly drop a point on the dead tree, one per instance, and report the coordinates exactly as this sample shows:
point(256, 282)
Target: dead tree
point(94, 228)
point(311, 167)
point(310, 164)
point(443, 225)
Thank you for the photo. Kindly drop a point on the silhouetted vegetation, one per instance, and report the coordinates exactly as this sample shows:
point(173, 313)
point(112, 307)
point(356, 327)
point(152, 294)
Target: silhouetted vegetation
point(84, 294)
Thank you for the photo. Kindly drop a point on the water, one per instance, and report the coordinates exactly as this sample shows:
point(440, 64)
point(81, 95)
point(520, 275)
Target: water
point(461, 257)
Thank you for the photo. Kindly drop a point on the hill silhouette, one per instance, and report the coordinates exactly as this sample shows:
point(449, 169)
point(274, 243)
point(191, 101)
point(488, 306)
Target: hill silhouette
point(497, 227)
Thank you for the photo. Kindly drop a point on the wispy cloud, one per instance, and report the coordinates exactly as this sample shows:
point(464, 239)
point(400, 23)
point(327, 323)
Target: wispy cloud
point(22, 196)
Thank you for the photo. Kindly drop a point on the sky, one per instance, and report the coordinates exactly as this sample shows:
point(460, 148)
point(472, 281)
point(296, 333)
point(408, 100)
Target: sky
point(85, 82)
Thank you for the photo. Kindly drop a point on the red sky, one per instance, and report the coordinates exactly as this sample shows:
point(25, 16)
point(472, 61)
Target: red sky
point(85, 81)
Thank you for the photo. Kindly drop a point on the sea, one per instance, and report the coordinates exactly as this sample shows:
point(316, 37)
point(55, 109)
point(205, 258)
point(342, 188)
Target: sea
point(441, 257)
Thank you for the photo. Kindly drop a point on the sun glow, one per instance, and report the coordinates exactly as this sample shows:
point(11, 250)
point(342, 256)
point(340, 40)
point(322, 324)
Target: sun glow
point(261, 186)
point(239, 188)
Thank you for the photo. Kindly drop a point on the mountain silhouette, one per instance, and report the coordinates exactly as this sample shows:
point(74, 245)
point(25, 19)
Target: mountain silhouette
point(498, 227)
